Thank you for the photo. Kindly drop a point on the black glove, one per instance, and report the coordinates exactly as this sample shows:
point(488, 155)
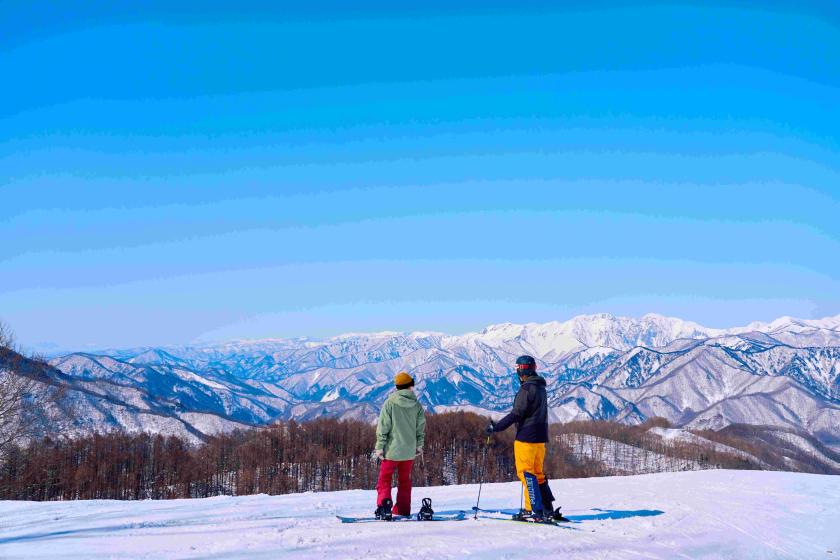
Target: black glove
point(491, 427)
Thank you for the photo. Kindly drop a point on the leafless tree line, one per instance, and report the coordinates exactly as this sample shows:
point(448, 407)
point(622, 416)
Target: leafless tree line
point(613, 448)
point(752, 447)
point(323, 455)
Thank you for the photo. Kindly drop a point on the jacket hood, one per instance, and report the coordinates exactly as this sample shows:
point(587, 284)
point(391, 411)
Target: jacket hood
point(534, 379)
point(403, 397)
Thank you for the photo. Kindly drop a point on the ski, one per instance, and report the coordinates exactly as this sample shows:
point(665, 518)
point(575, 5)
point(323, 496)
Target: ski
point(496, 511)
point(528, 521)
point(515, 516)
point(461, 515)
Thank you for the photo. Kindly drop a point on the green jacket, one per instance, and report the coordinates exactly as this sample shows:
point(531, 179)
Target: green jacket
point(402, 426)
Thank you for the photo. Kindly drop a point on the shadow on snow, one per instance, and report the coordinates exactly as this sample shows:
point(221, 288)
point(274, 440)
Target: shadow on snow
point(615, 514)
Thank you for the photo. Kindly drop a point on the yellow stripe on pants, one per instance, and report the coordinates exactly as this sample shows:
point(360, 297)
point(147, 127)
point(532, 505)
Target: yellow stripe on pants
point(529, 457)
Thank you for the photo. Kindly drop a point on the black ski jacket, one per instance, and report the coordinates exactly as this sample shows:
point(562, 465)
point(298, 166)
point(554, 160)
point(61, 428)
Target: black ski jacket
point(530, 412)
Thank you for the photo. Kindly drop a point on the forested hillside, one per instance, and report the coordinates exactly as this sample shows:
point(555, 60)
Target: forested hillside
point(330, 454)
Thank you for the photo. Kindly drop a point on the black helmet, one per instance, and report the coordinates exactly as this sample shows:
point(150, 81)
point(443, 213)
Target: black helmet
point(526, 365)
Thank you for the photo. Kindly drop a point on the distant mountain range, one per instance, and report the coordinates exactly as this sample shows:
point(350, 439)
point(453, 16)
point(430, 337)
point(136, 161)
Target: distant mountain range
point(785, 373)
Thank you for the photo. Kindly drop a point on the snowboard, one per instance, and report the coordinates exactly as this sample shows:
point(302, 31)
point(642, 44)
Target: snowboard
point(461, 515)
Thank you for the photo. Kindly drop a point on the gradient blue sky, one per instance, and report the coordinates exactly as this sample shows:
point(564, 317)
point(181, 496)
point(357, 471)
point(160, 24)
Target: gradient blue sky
point(189, 172)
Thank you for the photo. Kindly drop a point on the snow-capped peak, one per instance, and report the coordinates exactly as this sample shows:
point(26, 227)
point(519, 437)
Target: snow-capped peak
point(792, 324)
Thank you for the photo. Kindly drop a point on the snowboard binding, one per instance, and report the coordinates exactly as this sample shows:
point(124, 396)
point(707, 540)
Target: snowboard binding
point(384, 510)
point(426, 512)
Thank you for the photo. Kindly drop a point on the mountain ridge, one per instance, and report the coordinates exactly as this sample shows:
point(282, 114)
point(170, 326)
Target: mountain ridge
point(785, 373)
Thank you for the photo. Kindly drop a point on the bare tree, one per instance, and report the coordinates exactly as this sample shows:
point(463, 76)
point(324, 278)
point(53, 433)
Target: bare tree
point(28, 397)
point(16, 389)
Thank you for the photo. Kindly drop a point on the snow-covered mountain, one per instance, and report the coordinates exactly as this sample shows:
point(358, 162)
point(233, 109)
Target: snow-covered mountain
point(785, 373)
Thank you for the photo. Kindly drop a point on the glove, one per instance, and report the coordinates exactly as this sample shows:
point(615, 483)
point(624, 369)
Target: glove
point(491, 427)
point(378, 454)
point(419, 452)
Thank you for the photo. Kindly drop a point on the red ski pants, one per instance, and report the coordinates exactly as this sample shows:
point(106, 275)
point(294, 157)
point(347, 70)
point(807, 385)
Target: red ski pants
point(383, 485)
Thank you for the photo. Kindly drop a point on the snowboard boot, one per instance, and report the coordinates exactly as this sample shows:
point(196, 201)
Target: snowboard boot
point(383, 512)
point(548, 501)
point(426, 512)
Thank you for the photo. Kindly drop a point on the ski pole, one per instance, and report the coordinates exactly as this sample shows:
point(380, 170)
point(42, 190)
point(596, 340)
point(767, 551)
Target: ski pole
point(481, 478)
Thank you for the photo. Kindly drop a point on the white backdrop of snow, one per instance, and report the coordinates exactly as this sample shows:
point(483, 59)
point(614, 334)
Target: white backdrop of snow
point(705, 514)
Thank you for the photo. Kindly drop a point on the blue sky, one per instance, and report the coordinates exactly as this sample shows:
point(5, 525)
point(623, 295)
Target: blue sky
point(187, 172)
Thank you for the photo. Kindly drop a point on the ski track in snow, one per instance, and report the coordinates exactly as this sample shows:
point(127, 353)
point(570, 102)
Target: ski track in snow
point(705, 514)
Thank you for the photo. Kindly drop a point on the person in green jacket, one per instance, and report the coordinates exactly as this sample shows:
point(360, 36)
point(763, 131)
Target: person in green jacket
point(400, 434)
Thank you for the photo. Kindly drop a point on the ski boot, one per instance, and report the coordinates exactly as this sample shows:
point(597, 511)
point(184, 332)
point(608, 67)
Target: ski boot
point(384, 512)
point(426, 512)
point(556, 516)
point(537, 516)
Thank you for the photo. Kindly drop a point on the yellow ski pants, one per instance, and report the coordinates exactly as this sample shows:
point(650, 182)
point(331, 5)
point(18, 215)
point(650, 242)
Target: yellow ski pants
point(529, 458)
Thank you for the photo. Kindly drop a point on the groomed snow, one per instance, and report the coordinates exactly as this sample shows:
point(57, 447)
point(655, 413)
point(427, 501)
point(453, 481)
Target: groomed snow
point(706, 514)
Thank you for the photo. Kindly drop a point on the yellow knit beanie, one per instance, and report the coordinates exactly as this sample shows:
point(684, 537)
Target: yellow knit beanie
point(403, 381)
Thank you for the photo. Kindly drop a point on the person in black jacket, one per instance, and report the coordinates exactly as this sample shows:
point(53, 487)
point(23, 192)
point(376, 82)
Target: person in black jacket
point(530, 414)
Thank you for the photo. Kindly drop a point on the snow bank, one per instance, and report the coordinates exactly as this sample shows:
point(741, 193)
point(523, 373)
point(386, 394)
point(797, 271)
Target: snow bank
point(704, 514)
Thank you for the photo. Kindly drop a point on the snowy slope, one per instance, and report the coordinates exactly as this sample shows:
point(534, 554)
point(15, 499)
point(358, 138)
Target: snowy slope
point(682, 436)
point(620, 458)
point(704, 514)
